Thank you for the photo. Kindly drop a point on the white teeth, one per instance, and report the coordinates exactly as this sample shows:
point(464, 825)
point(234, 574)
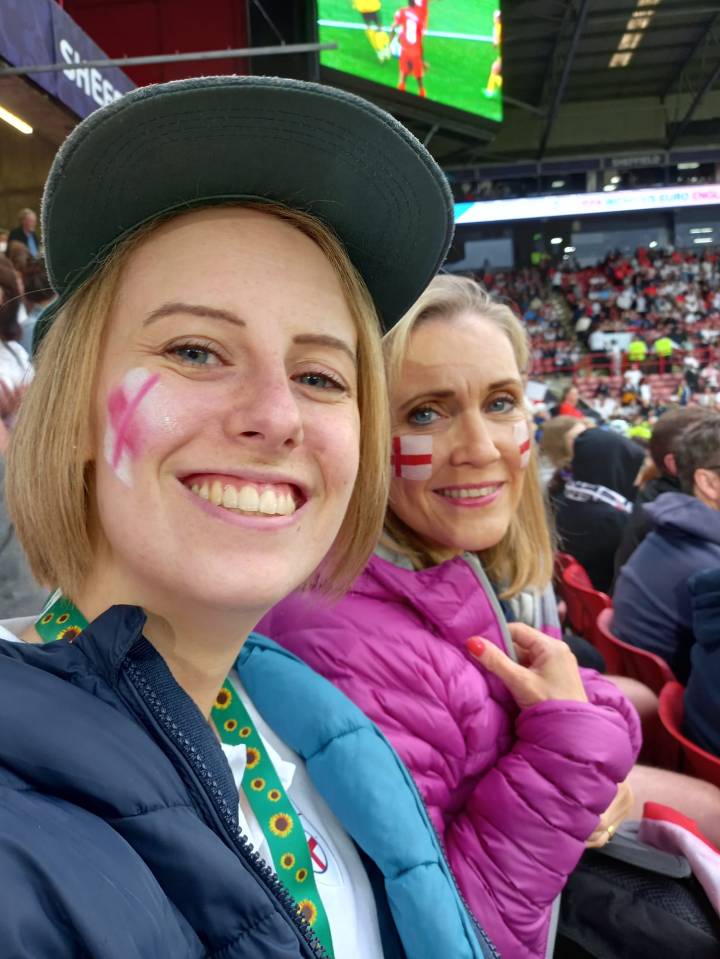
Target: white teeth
point(476, 492)
point(230, 497)
point(269, 502)
point(248, 499)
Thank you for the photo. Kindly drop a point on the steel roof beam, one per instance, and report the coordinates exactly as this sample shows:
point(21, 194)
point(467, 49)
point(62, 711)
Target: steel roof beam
point(697, 99)
point(567, 67)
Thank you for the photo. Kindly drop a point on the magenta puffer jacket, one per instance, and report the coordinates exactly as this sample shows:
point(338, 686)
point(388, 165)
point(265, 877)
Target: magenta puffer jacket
point(513, 795)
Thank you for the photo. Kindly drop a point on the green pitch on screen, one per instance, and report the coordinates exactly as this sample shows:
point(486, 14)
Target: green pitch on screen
point(461, 73)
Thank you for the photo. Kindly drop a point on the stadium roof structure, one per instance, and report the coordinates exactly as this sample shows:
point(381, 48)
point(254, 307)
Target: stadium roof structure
point(589, 77)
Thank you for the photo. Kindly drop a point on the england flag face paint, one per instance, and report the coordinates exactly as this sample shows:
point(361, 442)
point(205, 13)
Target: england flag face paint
point(122, 435)
point(521, 432)
point(411, 457)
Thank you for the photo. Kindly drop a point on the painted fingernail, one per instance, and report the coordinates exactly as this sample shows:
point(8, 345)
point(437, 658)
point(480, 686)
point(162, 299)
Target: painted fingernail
point(475, 646)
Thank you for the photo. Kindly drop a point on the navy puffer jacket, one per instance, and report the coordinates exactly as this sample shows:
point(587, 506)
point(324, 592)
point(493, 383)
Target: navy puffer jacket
point(118, 811)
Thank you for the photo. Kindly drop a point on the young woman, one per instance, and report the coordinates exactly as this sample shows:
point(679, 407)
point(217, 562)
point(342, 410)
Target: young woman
point(517, 755)
point(206, 432)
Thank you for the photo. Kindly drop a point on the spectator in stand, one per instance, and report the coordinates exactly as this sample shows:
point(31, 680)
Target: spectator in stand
point(702, 693)
point(3, 240)
point(38, 295)
point(500, 780)
point(15, 366)
point(662, 479)
point(556, 445)
point(652, 595)
point(18, 590)
point(603, 403)
point(594, 507)
point(568, 403)
point(25, 232)
point(637, 350)
point(664, 347)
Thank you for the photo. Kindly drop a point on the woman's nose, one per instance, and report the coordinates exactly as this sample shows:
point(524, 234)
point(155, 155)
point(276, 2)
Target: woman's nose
point(265, 411)
point(474, 442)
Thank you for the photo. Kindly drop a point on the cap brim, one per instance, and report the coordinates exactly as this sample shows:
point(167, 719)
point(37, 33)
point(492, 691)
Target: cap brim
point(214, 139)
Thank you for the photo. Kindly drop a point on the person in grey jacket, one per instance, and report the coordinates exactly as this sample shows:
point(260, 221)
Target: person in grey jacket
point(652, 600)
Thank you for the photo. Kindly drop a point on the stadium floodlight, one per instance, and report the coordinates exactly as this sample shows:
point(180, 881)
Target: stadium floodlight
point(15, 121)
point(609, 187)
point(569, 249)
point(652, 244)
point(556, 240)
point(615, 179)
point(556, 184)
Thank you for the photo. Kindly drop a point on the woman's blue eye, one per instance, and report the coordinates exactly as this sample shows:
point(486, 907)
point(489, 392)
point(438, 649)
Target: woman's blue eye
point(320, 381)
point(503, 404)
point(423, 416)
point(195, 355)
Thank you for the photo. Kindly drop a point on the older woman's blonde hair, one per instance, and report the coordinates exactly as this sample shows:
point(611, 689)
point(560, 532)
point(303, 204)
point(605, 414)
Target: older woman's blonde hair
point(49, 474)
point(523, 558)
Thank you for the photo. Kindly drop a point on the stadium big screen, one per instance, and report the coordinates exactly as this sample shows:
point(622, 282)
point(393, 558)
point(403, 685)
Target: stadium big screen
point(446, 50)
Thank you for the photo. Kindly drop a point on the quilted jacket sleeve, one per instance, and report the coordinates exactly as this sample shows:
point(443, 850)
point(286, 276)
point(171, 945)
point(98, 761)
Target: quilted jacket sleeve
point(523, 828)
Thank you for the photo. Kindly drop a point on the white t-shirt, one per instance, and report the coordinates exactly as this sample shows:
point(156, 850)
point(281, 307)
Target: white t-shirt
point(340, 876)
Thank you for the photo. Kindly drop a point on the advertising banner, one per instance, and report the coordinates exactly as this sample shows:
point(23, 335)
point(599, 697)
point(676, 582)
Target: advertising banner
point(583, 204)
point(39, 32)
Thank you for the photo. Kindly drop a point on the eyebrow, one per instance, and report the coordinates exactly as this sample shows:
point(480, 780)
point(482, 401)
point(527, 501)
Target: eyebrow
point(323, 339)
point(194, 309)
point(446, 394)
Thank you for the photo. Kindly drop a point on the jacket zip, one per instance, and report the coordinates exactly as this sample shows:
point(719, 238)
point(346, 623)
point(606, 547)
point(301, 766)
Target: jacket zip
point(478, 928)
point(239, 841)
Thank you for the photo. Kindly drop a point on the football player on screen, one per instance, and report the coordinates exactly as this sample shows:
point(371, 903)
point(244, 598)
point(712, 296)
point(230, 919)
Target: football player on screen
point(409, 26)
point(378, 39)
point(494, 81)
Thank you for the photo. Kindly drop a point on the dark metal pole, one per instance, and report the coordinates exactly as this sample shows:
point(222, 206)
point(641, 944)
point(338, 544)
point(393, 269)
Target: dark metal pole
point(170, 58)
point(560, 90)
point(680, 128)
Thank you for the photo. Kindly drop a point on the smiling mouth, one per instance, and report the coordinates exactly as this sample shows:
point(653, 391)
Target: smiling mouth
point(251, 499)
point(469, 492)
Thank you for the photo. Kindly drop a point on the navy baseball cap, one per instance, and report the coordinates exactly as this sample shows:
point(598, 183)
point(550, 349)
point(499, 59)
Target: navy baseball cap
point(174, 146)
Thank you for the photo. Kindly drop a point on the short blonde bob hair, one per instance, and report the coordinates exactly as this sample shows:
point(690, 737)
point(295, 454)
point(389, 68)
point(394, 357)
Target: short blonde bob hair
point(523, 558)
point(50, 481)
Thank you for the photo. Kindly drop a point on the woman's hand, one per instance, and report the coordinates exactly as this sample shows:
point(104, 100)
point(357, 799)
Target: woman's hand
point(608, 823)
point(546, 669)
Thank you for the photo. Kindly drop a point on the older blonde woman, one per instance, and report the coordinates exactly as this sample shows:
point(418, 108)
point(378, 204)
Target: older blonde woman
point(206, 430)
point(517, 755)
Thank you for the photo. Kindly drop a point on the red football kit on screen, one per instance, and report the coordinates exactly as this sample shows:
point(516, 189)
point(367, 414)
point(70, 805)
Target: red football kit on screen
point(411, 23)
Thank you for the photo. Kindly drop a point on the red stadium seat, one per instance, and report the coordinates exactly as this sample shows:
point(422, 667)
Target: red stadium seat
point(627, 660)
point(584, 603)
point(689, 758)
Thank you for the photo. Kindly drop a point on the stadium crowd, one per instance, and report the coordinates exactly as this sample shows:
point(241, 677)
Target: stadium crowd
point(432, 746)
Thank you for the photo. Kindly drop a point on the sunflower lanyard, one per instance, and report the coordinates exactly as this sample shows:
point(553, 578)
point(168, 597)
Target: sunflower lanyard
point(261, 784)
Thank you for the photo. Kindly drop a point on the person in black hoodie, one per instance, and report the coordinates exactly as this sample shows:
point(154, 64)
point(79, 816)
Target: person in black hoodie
point(595, 504)
point(662, 443)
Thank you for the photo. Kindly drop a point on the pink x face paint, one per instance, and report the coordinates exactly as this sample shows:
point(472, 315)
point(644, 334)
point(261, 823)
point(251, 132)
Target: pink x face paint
point(123, 435)
point(411, 457)
point(521, 433)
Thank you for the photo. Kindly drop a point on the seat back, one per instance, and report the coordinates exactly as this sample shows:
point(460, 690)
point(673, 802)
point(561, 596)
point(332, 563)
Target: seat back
point(691, 758)
point(584, 602)
point(627, 660)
